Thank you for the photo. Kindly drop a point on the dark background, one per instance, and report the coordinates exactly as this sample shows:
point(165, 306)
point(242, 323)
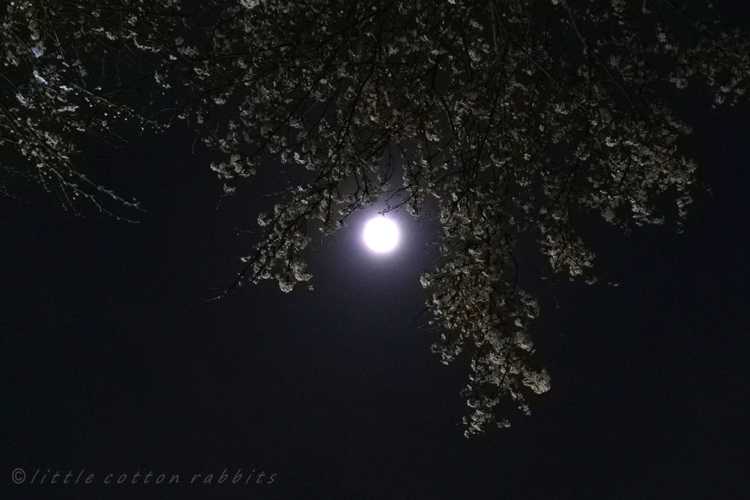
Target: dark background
point(112, 361)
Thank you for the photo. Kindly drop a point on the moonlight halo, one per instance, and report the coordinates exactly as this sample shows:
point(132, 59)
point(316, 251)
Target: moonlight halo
point(381, 234)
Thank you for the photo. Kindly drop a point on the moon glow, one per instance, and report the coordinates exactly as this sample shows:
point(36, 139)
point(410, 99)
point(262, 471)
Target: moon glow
point(381, 234)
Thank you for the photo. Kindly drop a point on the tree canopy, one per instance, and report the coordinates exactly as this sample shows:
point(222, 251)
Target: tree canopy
point(505, 119)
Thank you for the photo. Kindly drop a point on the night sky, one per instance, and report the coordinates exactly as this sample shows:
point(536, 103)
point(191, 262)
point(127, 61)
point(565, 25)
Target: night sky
point(113, 361)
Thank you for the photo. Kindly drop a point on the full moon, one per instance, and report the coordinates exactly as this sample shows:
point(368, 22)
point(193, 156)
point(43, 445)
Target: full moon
point(381, 234)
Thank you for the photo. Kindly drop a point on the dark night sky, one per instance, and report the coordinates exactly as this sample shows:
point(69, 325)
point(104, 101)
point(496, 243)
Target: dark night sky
point(111, 360)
